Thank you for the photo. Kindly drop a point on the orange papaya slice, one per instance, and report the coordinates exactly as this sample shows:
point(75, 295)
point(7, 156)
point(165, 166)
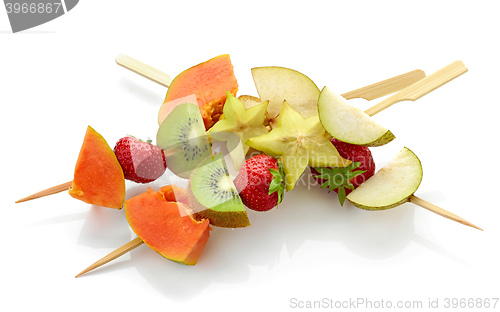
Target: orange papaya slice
point(98, 178)
point(176, 194)
point(166, 227)
point(208, 82)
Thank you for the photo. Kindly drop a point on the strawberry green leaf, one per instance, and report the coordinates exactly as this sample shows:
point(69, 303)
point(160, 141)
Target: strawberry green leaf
point(339, 178)
point(326, 184)
point(278, 182)
point(353, 174)
point(342, 195)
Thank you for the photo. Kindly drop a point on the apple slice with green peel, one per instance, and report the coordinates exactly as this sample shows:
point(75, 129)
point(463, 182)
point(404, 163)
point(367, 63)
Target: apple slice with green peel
point(348, 123)
point(392, 185)
point(277, 84)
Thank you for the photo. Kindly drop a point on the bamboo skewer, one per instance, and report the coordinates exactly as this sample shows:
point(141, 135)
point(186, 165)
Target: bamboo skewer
point(422, 87)
point(52, 190)
point(385, 87)
point(440, 211)
point(113, 255)
point(144, 70)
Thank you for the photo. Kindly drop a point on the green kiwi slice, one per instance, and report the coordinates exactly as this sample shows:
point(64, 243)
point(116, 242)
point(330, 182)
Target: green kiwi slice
point(183, 137)
point(214, 196)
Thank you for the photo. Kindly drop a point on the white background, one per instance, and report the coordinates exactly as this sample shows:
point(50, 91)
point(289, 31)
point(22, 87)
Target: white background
point(58, 78)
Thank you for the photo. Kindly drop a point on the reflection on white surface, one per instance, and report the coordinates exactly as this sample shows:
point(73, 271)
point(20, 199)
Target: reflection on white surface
point(233, 255)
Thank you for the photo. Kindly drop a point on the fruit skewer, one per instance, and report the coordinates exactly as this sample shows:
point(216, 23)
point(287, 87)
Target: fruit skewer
point(351, 179)
point(435, 81)
point(412, 93)
point(394, 185)
point(162, 221)
point(369, 92)
point(131, 159)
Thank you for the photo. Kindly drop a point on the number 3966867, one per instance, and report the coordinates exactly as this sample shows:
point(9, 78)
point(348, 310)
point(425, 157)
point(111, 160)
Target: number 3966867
point(33, 8)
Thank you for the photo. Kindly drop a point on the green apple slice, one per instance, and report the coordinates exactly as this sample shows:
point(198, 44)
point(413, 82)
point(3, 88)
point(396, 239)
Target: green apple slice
point(348, 123)
point(277, 84)
point(392, 185)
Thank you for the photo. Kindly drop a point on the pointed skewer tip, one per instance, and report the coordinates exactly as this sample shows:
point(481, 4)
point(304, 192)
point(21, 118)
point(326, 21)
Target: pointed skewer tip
point(440, 211)
point(50, 191)
point(136, 242)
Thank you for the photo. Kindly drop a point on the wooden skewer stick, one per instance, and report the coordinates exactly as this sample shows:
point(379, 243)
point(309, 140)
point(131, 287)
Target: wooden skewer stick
point(422, 87)
point(440, 211)
point(52, 190)
point(388, 86)
point(144, 70)
point(113, 255)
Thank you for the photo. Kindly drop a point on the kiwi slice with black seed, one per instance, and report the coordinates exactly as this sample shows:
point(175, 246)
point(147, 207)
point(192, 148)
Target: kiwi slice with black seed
point(213, 195)
point(183, 137)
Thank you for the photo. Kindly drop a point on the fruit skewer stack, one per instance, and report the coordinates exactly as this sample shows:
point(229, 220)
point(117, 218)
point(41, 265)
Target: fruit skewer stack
point(217, 107)
point(369, 92)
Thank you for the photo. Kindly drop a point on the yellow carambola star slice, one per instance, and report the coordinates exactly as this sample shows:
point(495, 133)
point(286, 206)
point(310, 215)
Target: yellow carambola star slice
point(299, 142)
point(245, 123)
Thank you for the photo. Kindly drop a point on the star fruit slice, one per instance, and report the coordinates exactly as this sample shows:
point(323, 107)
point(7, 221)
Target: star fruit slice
point(299, 142)
point(243, 123)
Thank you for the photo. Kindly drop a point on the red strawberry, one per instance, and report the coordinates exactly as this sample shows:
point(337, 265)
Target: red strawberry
point(141, 161)
point(260, 182)
point(344, 180)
